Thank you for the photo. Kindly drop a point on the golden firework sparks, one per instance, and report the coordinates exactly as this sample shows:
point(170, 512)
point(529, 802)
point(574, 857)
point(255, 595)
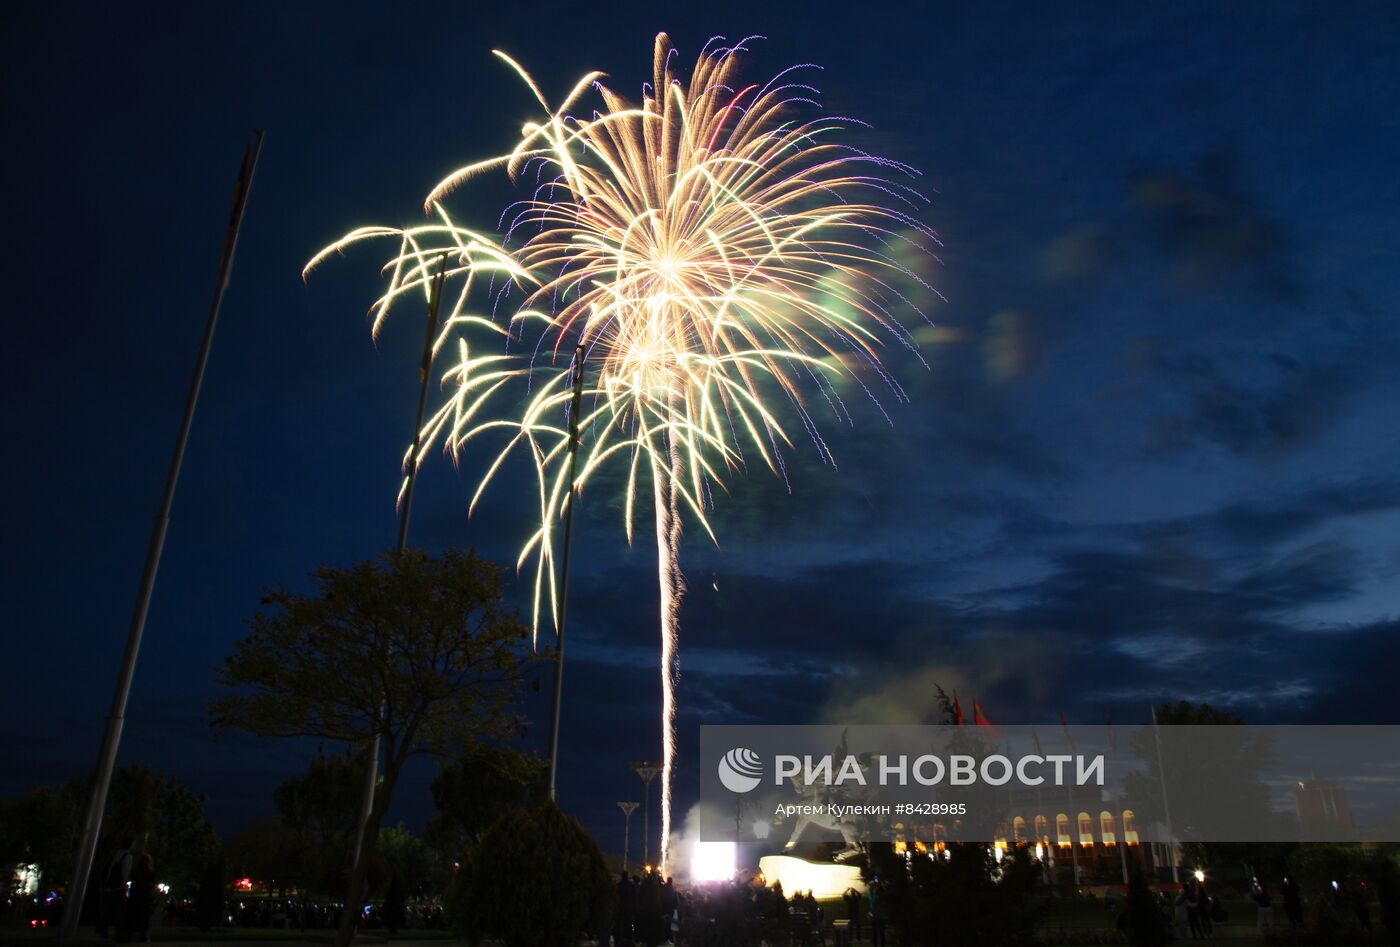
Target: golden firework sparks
point(720, 259)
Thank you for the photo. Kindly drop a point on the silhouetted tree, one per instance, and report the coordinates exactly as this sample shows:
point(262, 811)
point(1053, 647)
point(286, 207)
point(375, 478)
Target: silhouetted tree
point(1207, 799)
point(41, 828)
point(535, 879)
point(419, 651)
point(406, 856)
point(484, 783)
point(318, 811)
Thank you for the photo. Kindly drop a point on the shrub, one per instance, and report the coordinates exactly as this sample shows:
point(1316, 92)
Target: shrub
point(534, 879)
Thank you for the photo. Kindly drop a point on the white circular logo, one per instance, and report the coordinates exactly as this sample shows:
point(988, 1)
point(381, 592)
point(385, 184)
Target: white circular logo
point(740, 770)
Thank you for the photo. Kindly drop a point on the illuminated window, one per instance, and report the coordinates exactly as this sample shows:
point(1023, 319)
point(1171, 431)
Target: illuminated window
point(1108, 829)
point(1130, 836)
point(1086, 829)
point(1042, 829)
point(1062, 829)
point(1018, 829)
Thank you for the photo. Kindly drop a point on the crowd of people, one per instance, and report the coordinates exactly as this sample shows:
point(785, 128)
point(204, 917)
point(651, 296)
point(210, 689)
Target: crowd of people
point(1194, 912)
point(651, 911)
point(648, 910)
point(130, 903)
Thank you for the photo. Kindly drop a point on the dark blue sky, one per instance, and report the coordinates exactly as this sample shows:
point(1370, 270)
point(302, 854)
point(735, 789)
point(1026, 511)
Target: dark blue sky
point(1153, 455)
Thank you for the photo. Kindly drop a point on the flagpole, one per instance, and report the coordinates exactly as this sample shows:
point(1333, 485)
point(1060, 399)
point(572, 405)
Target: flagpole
point(574, 405)
point(1166, 806)
point(1073, 813)
point(1117, 798)
point(111, 740)
point(371, 780)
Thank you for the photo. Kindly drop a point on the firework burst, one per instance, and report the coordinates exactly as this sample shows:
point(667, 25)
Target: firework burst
point(721, 260)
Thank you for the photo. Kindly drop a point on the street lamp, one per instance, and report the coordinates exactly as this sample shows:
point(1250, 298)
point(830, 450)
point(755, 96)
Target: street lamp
point(647, 772)
point(627, 809)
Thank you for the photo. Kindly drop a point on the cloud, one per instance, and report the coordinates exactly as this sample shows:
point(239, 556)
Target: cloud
point(1258, 403)
point(1267, 520)
point(1204, 225)
point(1211, 231)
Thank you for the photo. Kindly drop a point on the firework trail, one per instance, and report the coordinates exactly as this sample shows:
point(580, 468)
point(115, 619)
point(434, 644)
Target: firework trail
point(721, 259)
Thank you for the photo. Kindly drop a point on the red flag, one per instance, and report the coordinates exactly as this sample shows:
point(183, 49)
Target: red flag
point(980, 718)
point(1064, 725)
point(957, 711)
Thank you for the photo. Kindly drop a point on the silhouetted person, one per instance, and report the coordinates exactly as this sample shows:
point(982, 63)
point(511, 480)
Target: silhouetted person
point(1265, 905)
point(1203, 909)
point(1292, 903)
point(853, 912)
point(626, 911)
point(877, 915)
point(1193, 910)
point(112, 910)
point(670, 911)
point(140, 900)
point(651, 928)
point(1362, 906)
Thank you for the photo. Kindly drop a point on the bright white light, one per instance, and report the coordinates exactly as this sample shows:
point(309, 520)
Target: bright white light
point(822, 879)
point(26, 880)
point(1200, 875)
point(713, 861)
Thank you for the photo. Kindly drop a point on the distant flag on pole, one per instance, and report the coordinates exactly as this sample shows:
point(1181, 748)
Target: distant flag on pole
point(1035, 738)
point(980, 718)
point(957, 711)
point(1064, 725)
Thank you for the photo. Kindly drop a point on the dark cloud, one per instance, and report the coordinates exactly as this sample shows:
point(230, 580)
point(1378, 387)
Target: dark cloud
point(1204, 225)
point(1212, 231)
point(1256, 404)
point(1258, 523)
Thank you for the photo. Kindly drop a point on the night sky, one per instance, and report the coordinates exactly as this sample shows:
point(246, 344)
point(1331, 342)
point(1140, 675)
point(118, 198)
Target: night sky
point(1153, 454)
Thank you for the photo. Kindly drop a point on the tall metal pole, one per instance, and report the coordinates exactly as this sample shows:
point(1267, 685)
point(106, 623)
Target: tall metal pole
point(111, 739)
point(372, 761)
point(1074, 832)
point(1166, 806)
point(647, 772)
point(627, 809)
point(564, 570)
point(425, 366)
